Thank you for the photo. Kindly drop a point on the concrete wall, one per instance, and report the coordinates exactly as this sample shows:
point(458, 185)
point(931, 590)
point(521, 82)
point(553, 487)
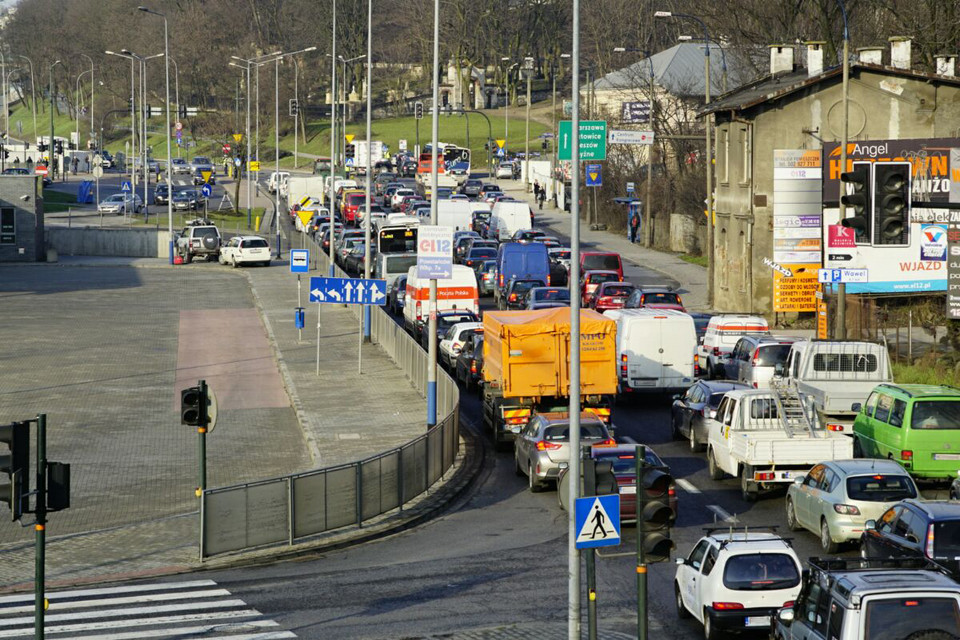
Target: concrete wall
point(20, 193)
point(89, 241)
point(686, 234)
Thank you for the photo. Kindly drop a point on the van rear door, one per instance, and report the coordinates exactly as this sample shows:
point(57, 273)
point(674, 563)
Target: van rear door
point(645, 360)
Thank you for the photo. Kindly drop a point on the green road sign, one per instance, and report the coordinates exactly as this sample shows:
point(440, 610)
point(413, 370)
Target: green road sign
point(593, 140)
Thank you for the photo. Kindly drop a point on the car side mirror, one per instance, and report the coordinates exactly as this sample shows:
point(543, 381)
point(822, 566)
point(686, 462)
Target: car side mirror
point(711, 413)
point(700, 340)
point(676, 396)
point(778, 369)
point(680, 561)
point(870, 524)
point(799, 480)
point(785, 616)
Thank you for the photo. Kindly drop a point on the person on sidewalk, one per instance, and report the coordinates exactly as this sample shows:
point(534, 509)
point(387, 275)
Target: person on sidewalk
point(542, 197)
point(634, 226)
point(536, 189)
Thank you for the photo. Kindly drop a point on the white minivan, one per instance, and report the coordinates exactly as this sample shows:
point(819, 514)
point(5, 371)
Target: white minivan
point(655, 349)
point(458, 292)
point(506, 218)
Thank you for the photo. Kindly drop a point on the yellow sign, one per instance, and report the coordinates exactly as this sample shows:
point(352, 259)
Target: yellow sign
point(501, 142)
point(206, 176)
point(798, 291)
point(237, 137)
point(593, 176)
point(254, 165)
point(304, 216)
point(305, 201)
point(349, 138)
point(823, 331)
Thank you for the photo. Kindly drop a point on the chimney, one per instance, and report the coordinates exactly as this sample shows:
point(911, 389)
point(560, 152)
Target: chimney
point(870, 55)
point(781, 58)
point(946, 64)
point(900, 52)
point(814, 58)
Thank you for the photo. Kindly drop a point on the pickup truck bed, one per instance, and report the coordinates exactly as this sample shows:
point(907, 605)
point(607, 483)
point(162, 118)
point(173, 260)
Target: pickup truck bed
point(775, 449)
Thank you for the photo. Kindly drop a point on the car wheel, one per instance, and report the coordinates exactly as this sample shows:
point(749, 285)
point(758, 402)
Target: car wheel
point(792, 522)
point(748, 489)
point(533, 483)
point(682, 612)
point(674, 432)
point(236, 263)
point(716, 473)
point(708, 631)
point(695, 447)
point(826, 542)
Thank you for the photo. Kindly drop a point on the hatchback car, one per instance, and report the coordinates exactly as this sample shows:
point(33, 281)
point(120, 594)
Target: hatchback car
point(916, 425)
point(199, 179)
point(121, 203)
point(837, 497)
point(245, 250)
point(516, 294)
point(611, 295)
point(546, 297)
point(654, 298)
point(692, 411)
point(187, 200)
point(487, 278)
point(480, 220)
point(161, 193)
point(916, 528)
point(471, 187)
point(475, 257)
point(452, 343)
point(396, 293)
point(505, 170)
point(754, 359)
point(590, 280)
point(736, 581)
point(445, 320)
point(542, 448)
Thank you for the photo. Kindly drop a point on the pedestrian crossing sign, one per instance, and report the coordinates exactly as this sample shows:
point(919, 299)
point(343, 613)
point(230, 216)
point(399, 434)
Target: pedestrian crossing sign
point(598, 521)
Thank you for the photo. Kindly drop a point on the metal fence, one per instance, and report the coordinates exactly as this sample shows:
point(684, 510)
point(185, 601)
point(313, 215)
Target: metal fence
point(285, 509)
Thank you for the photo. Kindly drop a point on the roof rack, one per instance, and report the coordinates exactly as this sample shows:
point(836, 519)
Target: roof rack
point(874, 564)
point(731, 528)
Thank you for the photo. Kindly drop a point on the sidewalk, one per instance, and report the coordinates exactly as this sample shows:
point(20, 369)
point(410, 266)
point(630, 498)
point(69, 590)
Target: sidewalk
point(344, 415)
point(691, 278)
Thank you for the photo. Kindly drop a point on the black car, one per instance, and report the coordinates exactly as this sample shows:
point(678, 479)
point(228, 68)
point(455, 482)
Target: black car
point(396, 294)
point(445, 320)
point(161, 193)
point(690, 411)
point(915, 528)
point(516, 293)
point(186, 199)
point(477, 256)
point(480, 222)
point(559, 276)
point(470, 362)
point(198, 178)
point(471, 187)
point(353, 262)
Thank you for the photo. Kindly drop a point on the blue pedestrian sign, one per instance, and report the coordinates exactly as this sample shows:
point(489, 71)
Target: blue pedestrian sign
point(348, 291)
point(206, 190)
point(598, 521)
point(126, 186)
point(348, 162)
point(594, 175)
point(631, 188)
point(237, 161)
point(299, 260)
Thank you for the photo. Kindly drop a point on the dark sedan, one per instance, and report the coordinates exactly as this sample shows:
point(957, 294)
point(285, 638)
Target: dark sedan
point(690, 411)
point(471, 187)
point(354, 260)
point(478, 255)
point(445, 320)
point(470, 362)
point(396, 295)
point(516, 294)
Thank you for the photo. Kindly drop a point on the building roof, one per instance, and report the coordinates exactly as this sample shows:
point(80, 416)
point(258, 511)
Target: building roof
point(680, 71)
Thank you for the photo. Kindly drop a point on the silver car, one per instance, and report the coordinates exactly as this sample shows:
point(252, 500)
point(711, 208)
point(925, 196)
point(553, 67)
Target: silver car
point(836, 498)
point(542, 448)
point(121, 203)
point(754, 359)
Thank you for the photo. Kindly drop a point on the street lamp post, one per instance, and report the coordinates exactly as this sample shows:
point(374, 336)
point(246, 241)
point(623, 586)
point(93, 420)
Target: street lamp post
point(33, 98)
point(176, 84)
point(369, 193)
point(723, 57)
point(133, 112)
point(434, 152)
point(526, 136)
point(143, 139)
point(841, 333)
point(333, 156)
point(92, 96)
point(77, 104)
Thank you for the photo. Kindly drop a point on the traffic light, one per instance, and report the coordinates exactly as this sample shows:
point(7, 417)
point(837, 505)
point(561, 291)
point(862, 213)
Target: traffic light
point(418, 110)
point(15, 466)
point(59, 147)
point(891, 203)
point(42, 147)
point(350, 151)
point(193, 406)
point(860, 200)
point(654, 515)
point(58, 486)
point(605, 480)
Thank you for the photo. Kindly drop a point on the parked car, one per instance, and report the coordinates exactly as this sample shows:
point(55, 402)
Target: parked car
point(542, 447)
point(469, 364)
point(755, 358)
point(471, 187)
point(590, 280)
point(610, 295)
point(736, 581)
point(452, 343)
point(916, 425)
point(692, 411)
point(245, 250)
point(837, 497)
point(515, 297)
point(396, 293)
point(161, 193)
point(916, 529)
point(654, 298)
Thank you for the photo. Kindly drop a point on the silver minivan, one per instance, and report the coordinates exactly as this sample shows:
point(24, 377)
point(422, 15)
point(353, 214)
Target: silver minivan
point(754, 359)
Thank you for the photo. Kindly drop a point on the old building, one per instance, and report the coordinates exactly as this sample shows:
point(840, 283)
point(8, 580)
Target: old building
point(21, 220)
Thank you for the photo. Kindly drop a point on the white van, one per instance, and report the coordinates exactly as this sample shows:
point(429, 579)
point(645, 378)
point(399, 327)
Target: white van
point(721, 336)
point(655, 349)
point(456, 214)
point(459, 292)
point(506, 218)
point(275, 179)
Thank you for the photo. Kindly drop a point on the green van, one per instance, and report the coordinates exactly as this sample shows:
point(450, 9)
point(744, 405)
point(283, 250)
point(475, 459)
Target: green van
point(917, 425)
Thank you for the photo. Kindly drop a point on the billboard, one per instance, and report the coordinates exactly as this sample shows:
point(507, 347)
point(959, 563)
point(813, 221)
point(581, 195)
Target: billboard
point(797, 228)
point(637, 112)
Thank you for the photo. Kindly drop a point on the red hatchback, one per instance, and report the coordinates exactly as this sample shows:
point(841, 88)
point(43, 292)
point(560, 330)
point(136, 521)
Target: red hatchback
point(351, 205)
point(611, 295)
point(590, 280)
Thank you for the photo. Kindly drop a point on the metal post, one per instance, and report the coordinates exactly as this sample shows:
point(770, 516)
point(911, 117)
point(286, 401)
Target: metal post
point(52, 149)
point(202, 432)
point(648, 200)
point(708, 123)
point(257, 110)
point(526, 141)
point(176, 91)
point(33, 99)
point(553, 143)
point(40, 527)
point(841, 333)
point(143, 120)
point(276, 145)
point(434, 153)
point(133, 128)
point(296, 114)
point(247, 149)
point(573, 556)
point(590, 489)
point(369, 192)
point(333, 146)
point(641, 461)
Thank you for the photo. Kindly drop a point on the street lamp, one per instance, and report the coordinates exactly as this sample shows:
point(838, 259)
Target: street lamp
point(434, 151)
point(369, 192)
point(92, 87)
point(709, 141)
point(723, 57)
point(144, 147)
point(556, 134)
point(33, 98)
point(841, 333)
point(333, 156)
point(133, 111)
point(343, 116)
point(506, 103)
point(52, 148)
point(176, 100)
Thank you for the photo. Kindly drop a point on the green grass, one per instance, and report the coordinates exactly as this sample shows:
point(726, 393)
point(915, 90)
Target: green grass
point(926, 371)
point(226, 220)
point(698, 260)
point(58, 201)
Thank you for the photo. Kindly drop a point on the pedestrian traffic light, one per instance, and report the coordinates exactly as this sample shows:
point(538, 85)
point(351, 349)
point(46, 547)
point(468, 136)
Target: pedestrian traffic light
point(860, 200)
point(15, 466)
point(418, 110)
point(654, 514)
point(192, 406)
point(42, 147)
point(605, 480)
point(891, 203)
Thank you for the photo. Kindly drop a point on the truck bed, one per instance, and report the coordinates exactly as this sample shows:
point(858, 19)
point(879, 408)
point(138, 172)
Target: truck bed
point(774, 447)
point(833, 397)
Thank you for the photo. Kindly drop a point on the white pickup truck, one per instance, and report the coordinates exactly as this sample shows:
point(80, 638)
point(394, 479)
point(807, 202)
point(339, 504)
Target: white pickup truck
point(837, 375)
point(749, 440)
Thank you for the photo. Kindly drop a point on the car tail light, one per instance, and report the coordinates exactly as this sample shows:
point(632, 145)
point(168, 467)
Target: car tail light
point(756, 359)
point(911, 603)
point(716, 351)
point(788, 603)
point(834, 427)
point(501, 279)
point(726, 606)
point(623, 366)
point(928, 546)
point(696, 359)
point(609, 442)
point(417, 309)
point(543, 445)
point(755, 386)
point(763, 475)
point(846, 509)
point(906, 454)
point(473, 366)
point(604, 300)
point(672, 491)
point(548, 279)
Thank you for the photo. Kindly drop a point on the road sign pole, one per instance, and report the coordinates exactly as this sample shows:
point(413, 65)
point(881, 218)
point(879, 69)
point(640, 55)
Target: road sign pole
point(318, 339)
point(590, 489)
point(299, 306)
point(41, 525)
point(573, 555)
point(641, 461)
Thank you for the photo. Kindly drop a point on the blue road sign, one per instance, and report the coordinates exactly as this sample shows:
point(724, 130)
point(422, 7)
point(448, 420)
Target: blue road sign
point(631, 188)
point(348, 291)
point(237, 161)
point(348, 162)
point(598, 521)
point(300, 261)
point(594, 175)
point(206, 190)
point(126, 186)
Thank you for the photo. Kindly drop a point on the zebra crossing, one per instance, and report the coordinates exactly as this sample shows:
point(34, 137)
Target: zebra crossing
point(198, 608)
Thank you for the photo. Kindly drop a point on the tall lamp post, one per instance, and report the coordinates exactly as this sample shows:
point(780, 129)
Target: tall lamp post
point(333, 147)
point(93, 85)
point(709, 140)
point(841, 333)
point(176, 91)
point(133, 112)
point(33, 98)
point(369, 192)
point(506, 104)
point(52, 148)
point(434, 152)
point(556, 134)
point(143, 140)
point(77, 106)
point(723, 56)
point(343, 118)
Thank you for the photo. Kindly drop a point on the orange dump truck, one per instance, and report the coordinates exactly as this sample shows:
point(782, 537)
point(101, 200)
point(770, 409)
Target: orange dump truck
point(526, 358)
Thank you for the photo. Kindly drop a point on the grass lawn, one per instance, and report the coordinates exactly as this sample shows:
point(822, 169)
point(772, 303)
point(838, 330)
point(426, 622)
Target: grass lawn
point(699, 260)
point(926, 371)
point(58, 201)
point(226, 220)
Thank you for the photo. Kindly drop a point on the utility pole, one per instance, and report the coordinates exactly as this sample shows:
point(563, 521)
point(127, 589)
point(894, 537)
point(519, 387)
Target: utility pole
point(526, 137)
point(842, 287)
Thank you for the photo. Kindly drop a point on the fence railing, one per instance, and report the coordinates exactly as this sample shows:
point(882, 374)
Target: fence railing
point(286, 509)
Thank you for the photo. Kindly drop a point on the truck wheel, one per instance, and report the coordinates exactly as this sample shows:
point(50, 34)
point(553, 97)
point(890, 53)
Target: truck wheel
point(716, 473)
point(826, 542)
point(748, 490)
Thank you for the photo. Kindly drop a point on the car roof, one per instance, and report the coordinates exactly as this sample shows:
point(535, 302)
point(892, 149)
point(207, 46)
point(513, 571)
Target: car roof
point(939, 509)
point(551, 417)
point(601, 271)
point(891, 580)
point(921, 390)
point(867, 466)
point(721, 386)
point(748, 540)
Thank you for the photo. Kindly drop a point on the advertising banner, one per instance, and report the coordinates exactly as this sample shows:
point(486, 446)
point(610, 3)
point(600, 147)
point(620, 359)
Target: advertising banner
point(635, 112)
point(797, 228)
point(953, 271)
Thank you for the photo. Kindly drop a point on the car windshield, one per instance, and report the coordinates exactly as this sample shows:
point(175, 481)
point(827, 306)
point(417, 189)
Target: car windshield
point(715, 399)
point(880, 488)
point(562, 295)
point(760, 571)
point(561, 432)
point(116, 198)
point(597, 278)
point(936, 414)
point(400, 264)
point(772, 354)
point(661, 298)
point(617, 290)
point(560, 255)
point(522, 286)
point(201, 160)
point(602, 261)
point(897, 618)
point(447, 321)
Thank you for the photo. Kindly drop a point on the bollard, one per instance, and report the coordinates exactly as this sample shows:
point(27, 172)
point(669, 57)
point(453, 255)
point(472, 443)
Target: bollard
point(299, 317)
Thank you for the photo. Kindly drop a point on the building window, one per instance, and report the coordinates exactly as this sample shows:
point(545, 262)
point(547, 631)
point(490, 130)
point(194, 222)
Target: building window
point(724, 252)
point(725, 156)
point(8, 225)
point(745, 156)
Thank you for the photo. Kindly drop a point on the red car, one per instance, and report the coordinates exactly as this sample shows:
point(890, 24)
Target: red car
point(601, 261)
point(352, 205)
point(648, 298)
point(611, 295)
point(590, 280)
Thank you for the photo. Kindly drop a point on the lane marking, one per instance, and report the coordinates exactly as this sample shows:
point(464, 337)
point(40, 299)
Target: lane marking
point(134, 611)
point(687, 486)
point(721, 513)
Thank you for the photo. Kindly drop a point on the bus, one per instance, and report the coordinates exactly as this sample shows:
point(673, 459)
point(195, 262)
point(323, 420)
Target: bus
point(397, 237)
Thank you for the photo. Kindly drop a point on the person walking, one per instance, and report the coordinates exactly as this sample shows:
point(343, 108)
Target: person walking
point(542, 197)
point(536, 189)
point(634, 226)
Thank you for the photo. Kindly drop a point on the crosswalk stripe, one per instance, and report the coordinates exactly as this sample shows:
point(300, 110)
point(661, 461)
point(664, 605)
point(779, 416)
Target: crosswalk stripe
point(173, 633)
point(126, 623)
point(82, 593)
point(84, 615)
point(156, 597)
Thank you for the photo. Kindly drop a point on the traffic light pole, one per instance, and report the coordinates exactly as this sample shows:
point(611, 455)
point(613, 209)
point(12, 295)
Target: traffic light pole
point(641, 499)
point(202, 432)
point(41, 525)
point(590, 489)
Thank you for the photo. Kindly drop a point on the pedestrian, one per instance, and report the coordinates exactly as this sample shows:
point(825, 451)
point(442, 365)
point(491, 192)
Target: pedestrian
point(16, 162)
point(536, 189)
point(30, 163)
point(76, 164)
point(634, 226)
point(543, 196)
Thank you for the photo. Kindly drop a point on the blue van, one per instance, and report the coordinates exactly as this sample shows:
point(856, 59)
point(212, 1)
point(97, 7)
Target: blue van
point(521, 261)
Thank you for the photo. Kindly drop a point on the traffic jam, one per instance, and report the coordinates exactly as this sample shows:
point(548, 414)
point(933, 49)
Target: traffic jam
point(848, 457)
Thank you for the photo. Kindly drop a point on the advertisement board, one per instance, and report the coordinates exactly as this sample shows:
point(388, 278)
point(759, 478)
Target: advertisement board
point(797, 228)
point(953, 271)
point(435, 252)
point(637, 112)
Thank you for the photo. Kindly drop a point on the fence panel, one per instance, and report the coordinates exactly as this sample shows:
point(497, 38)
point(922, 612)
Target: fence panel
point(341, 497)
point(309, 504)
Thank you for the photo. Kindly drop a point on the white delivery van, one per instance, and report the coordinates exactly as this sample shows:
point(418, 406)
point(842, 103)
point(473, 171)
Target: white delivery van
point(655, 349)
point(459, 292)
point(456, 214)
point(507, 217)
